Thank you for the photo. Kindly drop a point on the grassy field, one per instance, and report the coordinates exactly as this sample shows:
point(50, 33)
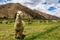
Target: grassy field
point(35, 31)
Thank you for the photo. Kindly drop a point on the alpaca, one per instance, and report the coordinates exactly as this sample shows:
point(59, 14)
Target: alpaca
point(19, 25)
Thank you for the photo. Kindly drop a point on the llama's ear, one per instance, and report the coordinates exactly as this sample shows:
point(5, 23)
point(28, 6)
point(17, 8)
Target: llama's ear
point(19, 12)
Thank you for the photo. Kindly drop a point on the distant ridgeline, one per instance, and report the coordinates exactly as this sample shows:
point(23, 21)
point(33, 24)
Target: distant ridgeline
point(9, 11)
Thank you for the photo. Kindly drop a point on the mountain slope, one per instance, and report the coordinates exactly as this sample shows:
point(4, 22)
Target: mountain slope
point(47, 16)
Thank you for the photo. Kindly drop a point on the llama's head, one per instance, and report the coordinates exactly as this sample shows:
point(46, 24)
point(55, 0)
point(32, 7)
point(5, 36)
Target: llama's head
point(19, 14)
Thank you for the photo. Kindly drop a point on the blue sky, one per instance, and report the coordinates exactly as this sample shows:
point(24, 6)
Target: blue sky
point(48, 6)
point(51, 8)
point(58, 1)
point(4, 0)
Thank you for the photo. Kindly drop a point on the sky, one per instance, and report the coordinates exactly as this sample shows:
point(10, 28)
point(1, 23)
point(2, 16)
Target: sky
point(51, 7)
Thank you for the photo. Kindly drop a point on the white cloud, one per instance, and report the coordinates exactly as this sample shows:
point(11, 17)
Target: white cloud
point(52, 1)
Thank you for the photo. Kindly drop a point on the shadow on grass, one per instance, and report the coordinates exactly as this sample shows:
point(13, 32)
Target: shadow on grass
point(39, 35)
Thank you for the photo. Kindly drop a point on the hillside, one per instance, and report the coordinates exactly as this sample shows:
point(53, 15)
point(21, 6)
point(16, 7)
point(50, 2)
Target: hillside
point(9, 10)
point(47, 16)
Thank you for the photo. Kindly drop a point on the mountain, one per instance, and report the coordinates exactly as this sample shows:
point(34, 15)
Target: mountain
point(9, 10)
point(49, 6)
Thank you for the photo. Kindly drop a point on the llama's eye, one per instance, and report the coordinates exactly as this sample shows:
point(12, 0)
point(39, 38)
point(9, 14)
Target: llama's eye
point(17, 14)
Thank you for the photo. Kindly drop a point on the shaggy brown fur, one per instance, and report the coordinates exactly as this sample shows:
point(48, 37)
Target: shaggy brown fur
point(19, 25)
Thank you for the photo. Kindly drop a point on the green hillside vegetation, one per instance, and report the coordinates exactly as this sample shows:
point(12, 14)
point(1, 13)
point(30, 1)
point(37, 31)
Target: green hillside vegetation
point(35, 31)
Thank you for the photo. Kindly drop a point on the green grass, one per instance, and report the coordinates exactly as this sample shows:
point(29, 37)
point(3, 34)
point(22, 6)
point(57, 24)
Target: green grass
point(34, 31)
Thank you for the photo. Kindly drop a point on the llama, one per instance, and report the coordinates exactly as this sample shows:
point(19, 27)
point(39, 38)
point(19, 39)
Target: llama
point(19, 25)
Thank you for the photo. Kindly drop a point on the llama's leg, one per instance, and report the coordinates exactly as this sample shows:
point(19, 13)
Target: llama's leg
point(20, 34)
point(16, 33)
